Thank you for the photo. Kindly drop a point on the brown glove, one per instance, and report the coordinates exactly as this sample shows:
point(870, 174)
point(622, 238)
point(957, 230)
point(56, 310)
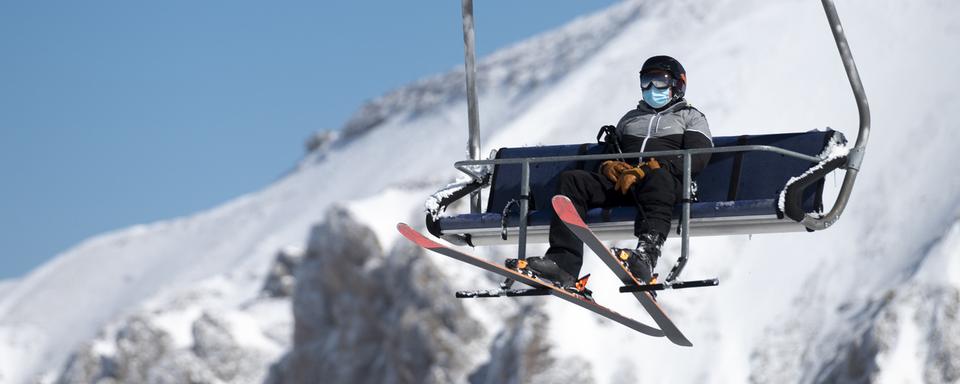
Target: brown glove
point(630, 176)
point(613, 168)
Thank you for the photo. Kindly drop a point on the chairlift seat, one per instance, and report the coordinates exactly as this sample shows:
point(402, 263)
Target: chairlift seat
point(737, 193)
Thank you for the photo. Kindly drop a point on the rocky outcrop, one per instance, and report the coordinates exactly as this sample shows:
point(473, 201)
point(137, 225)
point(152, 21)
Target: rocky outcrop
point(921, 319)
point(214, 345)
point(141, 352)
point(138, 347)
point(521, 353)
point(280, 280)
point(911, 334)
point(87, 366)
point(319, 141)
point(181, 368)
point(365, 317)
point(943, 340)
point(855, 360)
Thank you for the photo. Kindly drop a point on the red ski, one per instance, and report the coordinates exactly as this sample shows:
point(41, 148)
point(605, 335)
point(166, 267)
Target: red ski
point(578, 299)
point(568, 214)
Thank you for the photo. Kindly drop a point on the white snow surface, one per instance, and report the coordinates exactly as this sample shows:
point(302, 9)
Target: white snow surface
point(6, 285)
point(753, 67)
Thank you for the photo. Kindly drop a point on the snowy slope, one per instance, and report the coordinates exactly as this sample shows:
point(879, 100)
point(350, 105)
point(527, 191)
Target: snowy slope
point(6, 285)
point(754, 67)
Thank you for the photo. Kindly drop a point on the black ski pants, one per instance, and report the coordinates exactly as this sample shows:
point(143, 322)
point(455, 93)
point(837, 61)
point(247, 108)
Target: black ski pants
point(654, 196)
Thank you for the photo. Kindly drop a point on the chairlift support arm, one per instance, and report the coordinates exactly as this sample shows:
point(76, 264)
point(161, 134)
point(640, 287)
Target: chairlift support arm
point(855, 156)
point(473, 109)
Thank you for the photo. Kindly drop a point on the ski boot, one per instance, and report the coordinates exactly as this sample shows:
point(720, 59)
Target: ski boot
point(543, 269)
point(641, 261)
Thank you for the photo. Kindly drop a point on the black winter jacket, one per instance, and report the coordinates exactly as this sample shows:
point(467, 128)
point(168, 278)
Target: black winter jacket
point(679, 126)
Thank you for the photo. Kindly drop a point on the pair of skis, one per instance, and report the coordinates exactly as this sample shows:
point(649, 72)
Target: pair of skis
point(538, 284)
point(568, 214)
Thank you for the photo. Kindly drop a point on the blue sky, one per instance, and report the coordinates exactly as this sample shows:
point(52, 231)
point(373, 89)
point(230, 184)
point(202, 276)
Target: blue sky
point(114, 113)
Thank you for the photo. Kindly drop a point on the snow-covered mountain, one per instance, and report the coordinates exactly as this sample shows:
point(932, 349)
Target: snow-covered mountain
point(307, 278)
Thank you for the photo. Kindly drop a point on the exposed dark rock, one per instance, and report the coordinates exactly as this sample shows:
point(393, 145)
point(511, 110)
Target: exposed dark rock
point(856, 361)
point(320, 141)
point(139, 346)
point(86, 366)
point(804, 350)
point(362, 317)
point(145, 354)
point(943, 337)
point(182, 368)
point(521, 353)
point(934, 310)
point(216, 348)
point(280, 279)
point(862, 354)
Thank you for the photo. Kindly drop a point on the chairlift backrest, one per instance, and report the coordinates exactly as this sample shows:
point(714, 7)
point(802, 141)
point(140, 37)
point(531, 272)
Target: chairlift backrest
point(728, 177)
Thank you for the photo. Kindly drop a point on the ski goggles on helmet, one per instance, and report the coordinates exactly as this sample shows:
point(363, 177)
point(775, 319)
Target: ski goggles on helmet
point(658, 79)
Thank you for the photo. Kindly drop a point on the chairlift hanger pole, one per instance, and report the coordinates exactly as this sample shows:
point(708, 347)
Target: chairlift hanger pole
point(473, 113)
point(856, 153)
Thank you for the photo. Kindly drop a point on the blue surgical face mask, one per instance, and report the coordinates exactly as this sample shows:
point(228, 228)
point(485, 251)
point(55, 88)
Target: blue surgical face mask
point(656, 97)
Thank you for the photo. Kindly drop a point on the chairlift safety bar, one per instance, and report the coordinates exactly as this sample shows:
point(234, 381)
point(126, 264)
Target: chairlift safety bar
point(463, 165)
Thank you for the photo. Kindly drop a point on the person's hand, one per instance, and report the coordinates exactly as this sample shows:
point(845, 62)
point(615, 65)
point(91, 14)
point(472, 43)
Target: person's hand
point(630, 176)
point(613, 168)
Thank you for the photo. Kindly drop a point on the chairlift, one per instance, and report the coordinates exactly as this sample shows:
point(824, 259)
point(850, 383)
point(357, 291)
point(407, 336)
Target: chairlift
point(770, 183)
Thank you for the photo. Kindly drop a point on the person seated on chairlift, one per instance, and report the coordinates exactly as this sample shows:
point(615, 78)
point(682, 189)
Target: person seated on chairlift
point(663, 120)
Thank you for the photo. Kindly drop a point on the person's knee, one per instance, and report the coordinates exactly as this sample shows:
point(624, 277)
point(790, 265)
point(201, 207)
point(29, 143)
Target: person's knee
point(660, 176)
point(573, 174)
point(569, 181)
point(657, 196)
point(658, 187)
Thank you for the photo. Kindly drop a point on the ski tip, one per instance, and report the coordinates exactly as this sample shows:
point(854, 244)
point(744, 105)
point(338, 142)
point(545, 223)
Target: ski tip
point(566, 211)
point(560, 198)
point(416, 237)
point(561, 204)
point(405, 229)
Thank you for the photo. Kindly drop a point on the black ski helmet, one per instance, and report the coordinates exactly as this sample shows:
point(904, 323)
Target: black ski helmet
point(671, 66)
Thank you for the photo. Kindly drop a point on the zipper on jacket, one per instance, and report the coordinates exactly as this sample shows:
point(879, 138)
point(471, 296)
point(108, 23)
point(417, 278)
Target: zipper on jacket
point(643, 146)
point(657, 116)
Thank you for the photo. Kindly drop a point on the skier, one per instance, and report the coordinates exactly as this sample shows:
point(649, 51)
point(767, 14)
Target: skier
point(662, 121)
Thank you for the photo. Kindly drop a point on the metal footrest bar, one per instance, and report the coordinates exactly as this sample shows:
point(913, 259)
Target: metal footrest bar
point(502, 293)
point(673, 285)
